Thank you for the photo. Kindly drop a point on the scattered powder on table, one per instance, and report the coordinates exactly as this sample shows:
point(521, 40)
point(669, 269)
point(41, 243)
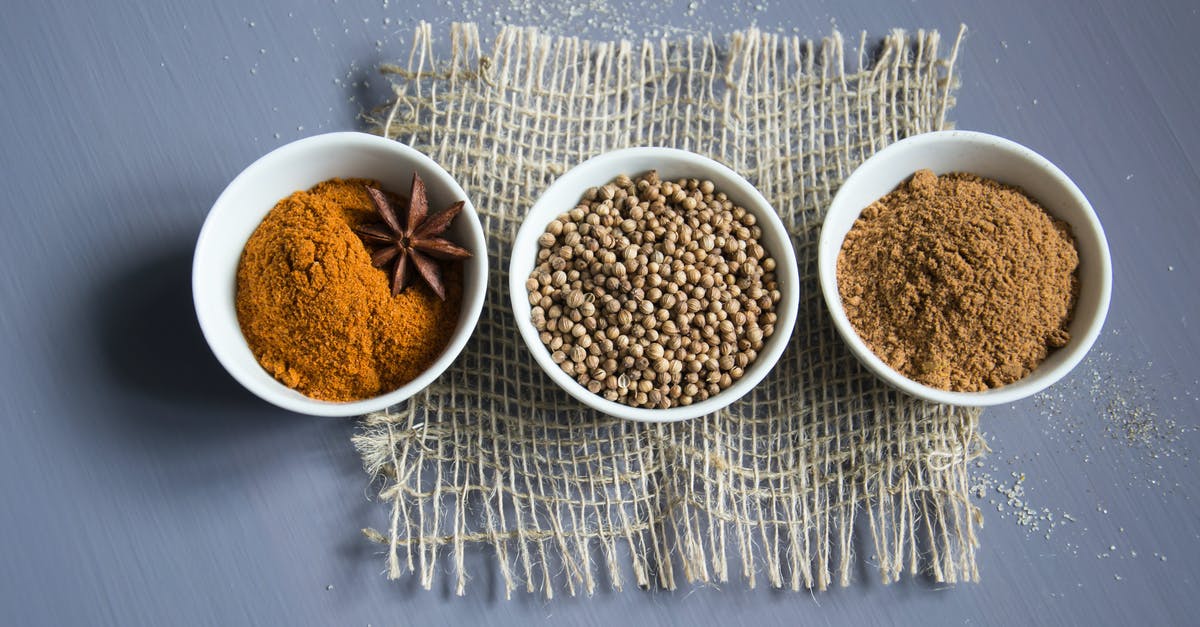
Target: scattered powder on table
point(319, 317)
point(959, 282)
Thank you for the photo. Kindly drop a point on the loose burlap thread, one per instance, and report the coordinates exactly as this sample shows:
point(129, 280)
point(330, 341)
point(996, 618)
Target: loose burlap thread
point(820, 462)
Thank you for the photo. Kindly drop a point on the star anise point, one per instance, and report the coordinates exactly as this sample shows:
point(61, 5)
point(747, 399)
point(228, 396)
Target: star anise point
point(410, 239)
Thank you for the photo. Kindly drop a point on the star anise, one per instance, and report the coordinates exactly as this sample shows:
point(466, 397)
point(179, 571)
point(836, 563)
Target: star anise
point(409, 237)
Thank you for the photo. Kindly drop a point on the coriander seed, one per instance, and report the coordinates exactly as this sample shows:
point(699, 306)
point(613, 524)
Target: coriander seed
point(654, 293)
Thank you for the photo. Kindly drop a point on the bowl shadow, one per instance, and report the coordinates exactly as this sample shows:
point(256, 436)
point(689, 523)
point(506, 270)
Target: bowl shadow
point(151, 347)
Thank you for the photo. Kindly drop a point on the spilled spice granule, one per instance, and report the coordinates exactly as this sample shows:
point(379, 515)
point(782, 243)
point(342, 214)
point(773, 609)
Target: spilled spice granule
point(959, 282)
point(319, 317)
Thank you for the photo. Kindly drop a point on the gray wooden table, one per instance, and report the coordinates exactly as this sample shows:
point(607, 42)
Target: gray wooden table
point(141, 485)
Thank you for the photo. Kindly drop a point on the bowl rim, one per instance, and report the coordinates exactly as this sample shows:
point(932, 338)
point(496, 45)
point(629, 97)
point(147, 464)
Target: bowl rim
point(580, 177)
point(208, 242)
point(1019, 389)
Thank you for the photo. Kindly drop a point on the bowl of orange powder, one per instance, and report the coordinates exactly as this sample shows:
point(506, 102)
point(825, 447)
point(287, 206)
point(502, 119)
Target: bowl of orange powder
point(340, 274)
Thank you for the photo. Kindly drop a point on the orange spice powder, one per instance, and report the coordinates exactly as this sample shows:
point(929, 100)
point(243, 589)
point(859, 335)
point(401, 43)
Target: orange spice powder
point(319, 317)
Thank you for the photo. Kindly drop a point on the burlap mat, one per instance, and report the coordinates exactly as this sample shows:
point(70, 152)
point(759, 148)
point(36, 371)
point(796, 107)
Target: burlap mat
point(786, 486)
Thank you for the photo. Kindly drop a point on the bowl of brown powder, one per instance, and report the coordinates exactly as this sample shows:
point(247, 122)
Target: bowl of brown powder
point(339, 274)
point(964, 268)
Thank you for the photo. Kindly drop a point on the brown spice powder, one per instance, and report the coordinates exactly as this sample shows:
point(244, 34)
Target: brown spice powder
point(319, 317)
point(959, 282)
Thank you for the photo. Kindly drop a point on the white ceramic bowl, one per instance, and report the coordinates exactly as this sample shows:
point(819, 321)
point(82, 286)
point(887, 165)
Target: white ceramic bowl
point(671, 164)
point(995, 158)
point(298, 166)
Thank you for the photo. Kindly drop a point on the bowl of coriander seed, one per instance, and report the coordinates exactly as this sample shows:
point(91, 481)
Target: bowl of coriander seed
point(654, 284)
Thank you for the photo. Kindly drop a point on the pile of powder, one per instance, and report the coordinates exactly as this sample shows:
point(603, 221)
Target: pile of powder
point(959, 282)
point(319, 317)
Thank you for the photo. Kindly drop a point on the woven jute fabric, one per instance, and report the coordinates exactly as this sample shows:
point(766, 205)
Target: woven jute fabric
point(820, 466)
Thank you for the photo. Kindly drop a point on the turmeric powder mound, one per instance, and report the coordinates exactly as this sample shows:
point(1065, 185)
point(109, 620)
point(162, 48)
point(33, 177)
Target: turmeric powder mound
point(319, 317)
point(959, 282)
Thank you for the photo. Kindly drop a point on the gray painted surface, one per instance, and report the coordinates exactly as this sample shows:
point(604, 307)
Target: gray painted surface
point(142, 486)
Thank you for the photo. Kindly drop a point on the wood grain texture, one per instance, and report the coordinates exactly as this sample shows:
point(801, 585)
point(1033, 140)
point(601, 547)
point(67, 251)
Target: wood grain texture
point(144, 487)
